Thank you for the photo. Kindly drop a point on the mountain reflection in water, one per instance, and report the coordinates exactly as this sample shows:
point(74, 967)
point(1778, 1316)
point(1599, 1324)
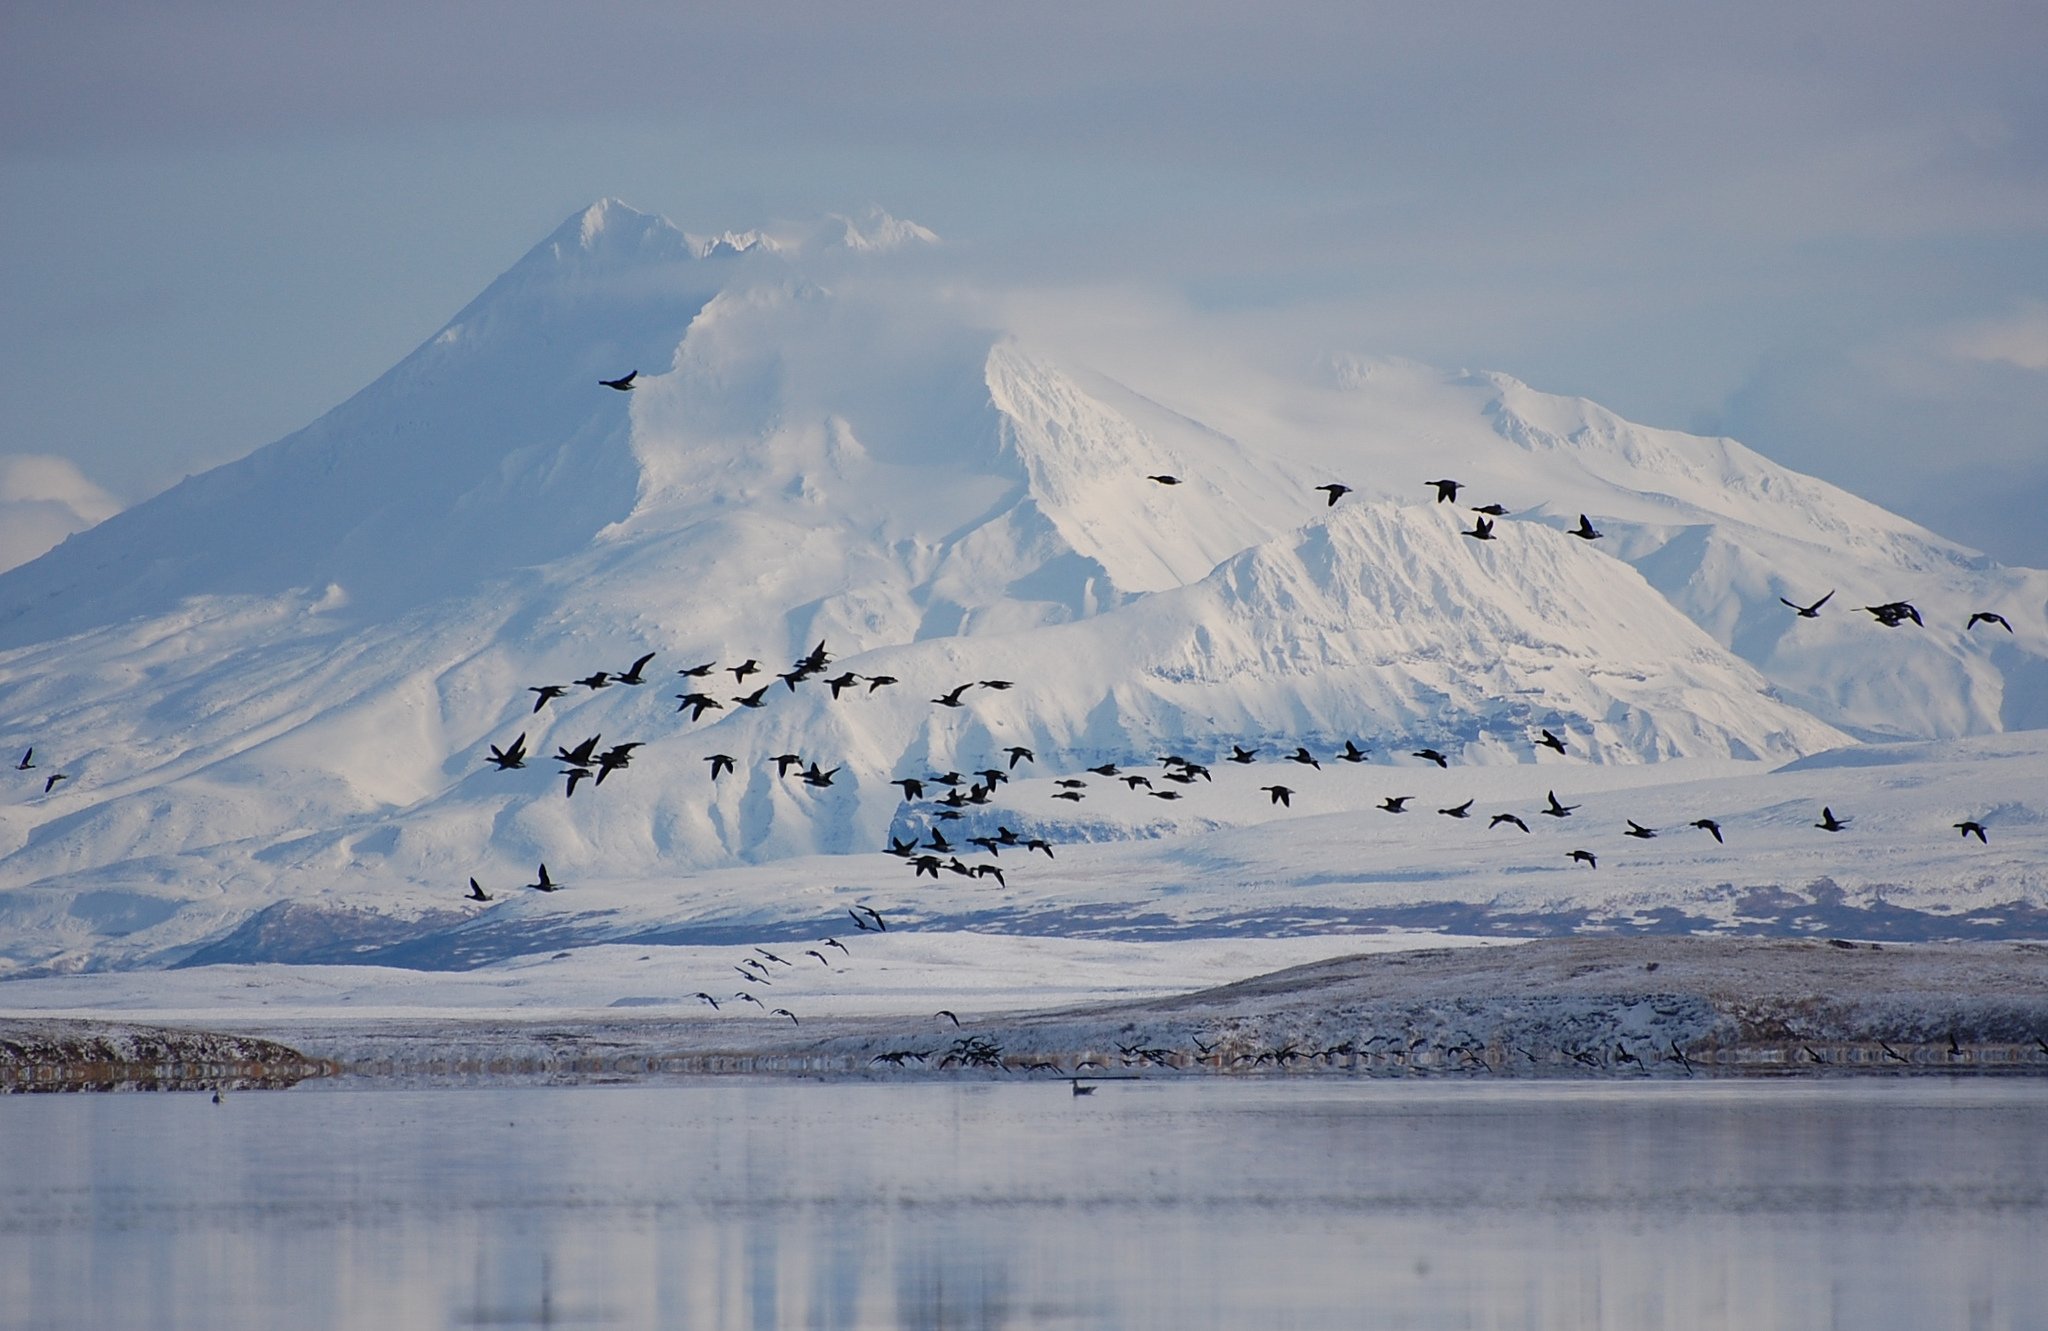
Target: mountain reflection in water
point(761, 1204)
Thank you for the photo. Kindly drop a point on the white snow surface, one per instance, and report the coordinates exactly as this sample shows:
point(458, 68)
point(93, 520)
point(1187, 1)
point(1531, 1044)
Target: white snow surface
point(272, 690)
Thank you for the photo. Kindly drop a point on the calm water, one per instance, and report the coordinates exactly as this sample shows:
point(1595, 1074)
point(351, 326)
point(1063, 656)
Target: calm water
point(1863, 1205)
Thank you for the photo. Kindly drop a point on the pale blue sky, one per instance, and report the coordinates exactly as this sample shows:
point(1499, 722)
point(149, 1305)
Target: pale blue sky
point(1822, 228)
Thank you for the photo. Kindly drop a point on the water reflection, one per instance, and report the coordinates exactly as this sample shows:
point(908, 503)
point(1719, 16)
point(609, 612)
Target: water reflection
point(1204, 1204)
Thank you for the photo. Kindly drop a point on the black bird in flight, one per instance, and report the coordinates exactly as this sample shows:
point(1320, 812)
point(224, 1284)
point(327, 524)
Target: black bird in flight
point(880, 923)
point(548, 693)
point(1549, 741)
point(612, 759)
point(1584, 531)
point(1557, 810)
point(633, 675)
point(794, 678)
point(1482, 529)
point(1894, 613)
point(997, 684)
point(579, 756)
point(1071, 783)
point(1638, 831)
point(574, 774)
point(939, 842)
point(699, 704)
point(1458, 811)
point(545, 883)
point(1808, 611)
point(1351, 753)
point(1136, 779)
point(1164, 794)
point(754, 699)
point(1019, 754)
point(720, 763)
point(785, 1012)
point(1038, 843)
point(913, 789)
point(814, 777)
point(1164, 479)
point(838, 682)
point(902, 849)
point(1396, 803)
point(25, 764)
point(1433, 756)
point(1500, 818)
point(1828, 822)
point(511, 756)
point(952, 699)
point(1239, 754)
point(922, 865)
point(708, 998)
point(1074, 795)
point(746, 997)
point(699, 671)
point(1446, 491)
point(942, 1012)
point(601, 680)
point(1585, 857)
point(1491, 510)
point(476, 892)
point(1710, 826)
point(784, 761)
point(1972, 827)
point(623, 383)
point(1302, 755)
point(877, 681)
point(1335, 491)
point(772, 957)
point(1987, 617)
point(833, 942)
point(1106, 769)
point(50, 782)
point(747, 667)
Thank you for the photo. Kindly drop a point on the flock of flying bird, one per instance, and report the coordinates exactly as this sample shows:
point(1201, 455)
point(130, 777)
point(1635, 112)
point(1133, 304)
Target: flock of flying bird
point(930, 852)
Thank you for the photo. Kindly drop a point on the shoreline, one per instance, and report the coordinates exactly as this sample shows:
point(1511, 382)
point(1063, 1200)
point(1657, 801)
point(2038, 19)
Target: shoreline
point(1566, 1008)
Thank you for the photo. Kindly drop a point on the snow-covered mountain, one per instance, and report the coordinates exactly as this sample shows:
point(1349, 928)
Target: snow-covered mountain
point(280, 681)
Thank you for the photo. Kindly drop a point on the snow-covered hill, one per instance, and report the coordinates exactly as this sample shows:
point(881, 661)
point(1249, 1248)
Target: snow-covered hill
point(280, 682)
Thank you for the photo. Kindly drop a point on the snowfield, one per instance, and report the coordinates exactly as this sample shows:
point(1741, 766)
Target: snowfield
point(271, 693)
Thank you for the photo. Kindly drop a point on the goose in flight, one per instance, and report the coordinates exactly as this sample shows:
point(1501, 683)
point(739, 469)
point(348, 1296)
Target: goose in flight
point(1396, 803)
point(1446, 491)
point(1584, 531)
point(1335, 491)
point(1164, 479)
point(1239, 754)
point(1351, 753)
point(544, 883)
point(720, 764)
point(1894, 613)
point(1302, 755)
point(624, 383)
point(1557, 810)
point(952, 699)
point(698, 671)
point(698, 703)
point(1586, 858)
point(1988, 617)
point(511, 756)
point(600, 680)
point(1491, 510)
point(1808, 611)
point(754, 699)
point(580, 756)
point(1433, 756)
point(574, 774)
point(747, 667)
point(1019, 754)
point(633, 675)
point(707, 998)
point(1549, 741)
point(1282, 795)
point(1638, 831)
point(1828, 822)
point(1482, 529)
point(1500, 818)
point(1459, 811)
point(1709, 826)
point(548, 693)
point(26, 763)
point(476, 892)
point(1972, 827)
